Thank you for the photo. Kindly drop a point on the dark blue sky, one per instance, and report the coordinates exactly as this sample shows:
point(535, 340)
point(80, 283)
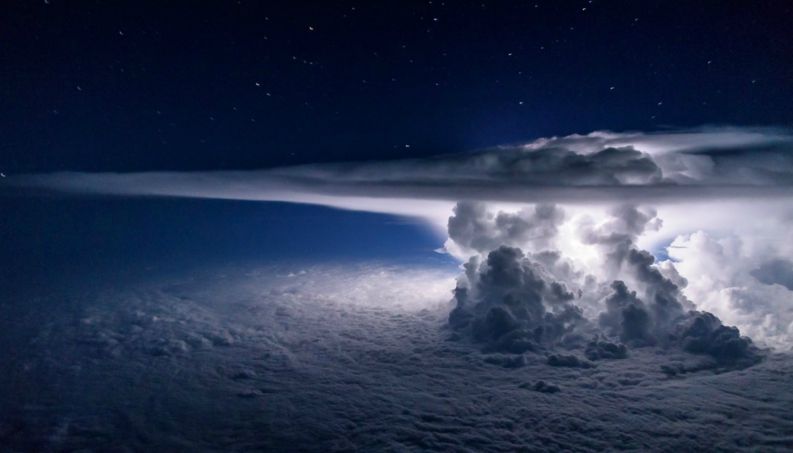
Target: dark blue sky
point(47, 241)
point(123, 86)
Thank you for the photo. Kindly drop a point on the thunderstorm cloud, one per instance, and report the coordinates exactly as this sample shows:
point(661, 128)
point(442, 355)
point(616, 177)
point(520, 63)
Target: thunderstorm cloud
point(605, 280)
point(622, 234)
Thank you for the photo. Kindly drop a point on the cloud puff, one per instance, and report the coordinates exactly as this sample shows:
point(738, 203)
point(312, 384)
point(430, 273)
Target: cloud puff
point(775, 272)
point(510, 302)
point(569, 361)
point(473, 228)
point(741, 277)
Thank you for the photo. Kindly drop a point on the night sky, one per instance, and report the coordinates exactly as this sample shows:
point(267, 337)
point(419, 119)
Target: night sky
point(396, 226)
point(133, 86)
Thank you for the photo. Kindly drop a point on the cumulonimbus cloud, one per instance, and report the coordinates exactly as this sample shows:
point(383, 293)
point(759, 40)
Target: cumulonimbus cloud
point(515, 300)
point(680, 172)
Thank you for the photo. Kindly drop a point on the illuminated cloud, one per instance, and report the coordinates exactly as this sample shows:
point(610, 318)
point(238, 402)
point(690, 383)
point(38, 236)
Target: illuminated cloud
point(706, 163)
point(741, 278)
point(717, 180)
point(537, 299)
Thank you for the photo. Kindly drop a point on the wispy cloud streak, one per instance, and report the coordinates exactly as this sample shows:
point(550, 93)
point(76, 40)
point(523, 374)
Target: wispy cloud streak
point(673, 166)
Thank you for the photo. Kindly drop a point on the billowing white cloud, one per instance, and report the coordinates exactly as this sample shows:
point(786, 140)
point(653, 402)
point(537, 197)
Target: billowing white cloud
point(726, 182)
point(339, 357)
point(741, 279)
point(538, 299)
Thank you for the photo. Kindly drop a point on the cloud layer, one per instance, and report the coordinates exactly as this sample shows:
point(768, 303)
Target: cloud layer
point(328, 358)
point(706, 163)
